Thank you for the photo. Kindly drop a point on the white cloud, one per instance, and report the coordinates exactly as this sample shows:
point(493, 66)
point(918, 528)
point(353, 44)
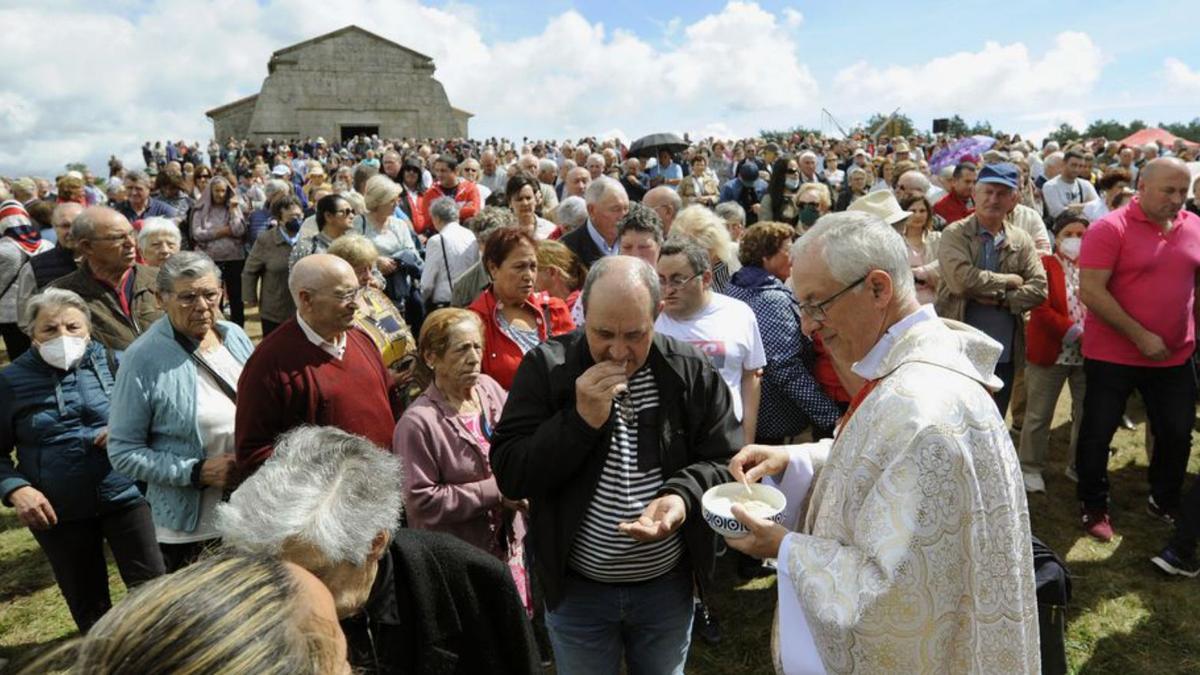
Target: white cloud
point(997, 77)
point(792, 17)
point(113, 79)
point(1180, 77)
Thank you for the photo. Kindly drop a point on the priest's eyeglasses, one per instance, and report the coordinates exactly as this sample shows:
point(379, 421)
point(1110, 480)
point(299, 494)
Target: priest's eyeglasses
point(816, 311)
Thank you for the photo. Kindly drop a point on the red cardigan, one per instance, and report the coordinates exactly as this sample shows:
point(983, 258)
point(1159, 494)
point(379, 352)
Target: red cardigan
point(1049, 321)
point(465, 194)
point(289, 381)
point(501, 355)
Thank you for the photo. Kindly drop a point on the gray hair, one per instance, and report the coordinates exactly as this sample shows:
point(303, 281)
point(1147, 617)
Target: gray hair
point(274, 188)
point(323, 487)
point(852, 243)
point(732, 211)
point(1054, 159)
point(84, 225)
point(136, 176)
point(571, 212)
point(641, 218)
point(185, 265)
point(600, 188)
point(696, 256)
point(444, 210)
point(54, 298)
point(157, 225)
point(807, 154)
point(547, 165)
point(922, 183)
point(854, 171)
point(641, 272)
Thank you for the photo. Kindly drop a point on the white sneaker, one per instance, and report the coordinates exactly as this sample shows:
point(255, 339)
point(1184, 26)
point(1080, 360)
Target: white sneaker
point(1033, 481)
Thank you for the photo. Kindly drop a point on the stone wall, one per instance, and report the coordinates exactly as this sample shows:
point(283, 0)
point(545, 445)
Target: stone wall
point(347, 78)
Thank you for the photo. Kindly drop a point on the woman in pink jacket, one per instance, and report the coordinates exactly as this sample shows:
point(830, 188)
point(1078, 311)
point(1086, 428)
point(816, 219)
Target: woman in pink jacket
point(444, 438)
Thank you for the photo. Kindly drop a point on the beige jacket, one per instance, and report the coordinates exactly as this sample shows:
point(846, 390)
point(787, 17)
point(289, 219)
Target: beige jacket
point(962, 280)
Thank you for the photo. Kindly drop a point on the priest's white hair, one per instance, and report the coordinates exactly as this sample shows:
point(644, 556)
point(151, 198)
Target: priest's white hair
point(322, 487)
point(852, 243)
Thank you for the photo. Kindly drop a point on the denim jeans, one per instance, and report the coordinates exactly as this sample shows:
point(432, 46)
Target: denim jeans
point(650, 623)
point(1170, 395)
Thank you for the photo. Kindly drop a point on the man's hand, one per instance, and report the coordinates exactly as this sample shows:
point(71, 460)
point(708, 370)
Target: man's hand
point(219, 471)
point(764, 538)
point(101, 439)
point(33, 509)
point(659, 520)
point(753, 462)
point(1012, 281)
point(595, 390)
point(386, 265)
point(1152, 347)
point(521, 505)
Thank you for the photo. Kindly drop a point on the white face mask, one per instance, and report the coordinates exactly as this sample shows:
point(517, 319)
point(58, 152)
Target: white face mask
point(63, 352)
point(1070, 247)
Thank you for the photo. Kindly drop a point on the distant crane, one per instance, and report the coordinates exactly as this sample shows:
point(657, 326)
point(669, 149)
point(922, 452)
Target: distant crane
point(827, 116)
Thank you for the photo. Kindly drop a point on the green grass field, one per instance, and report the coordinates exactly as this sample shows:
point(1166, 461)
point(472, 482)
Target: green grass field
point(1125, 617)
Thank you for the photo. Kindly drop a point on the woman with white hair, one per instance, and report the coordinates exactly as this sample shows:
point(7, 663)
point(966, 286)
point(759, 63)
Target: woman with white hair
point(158, 240)
point(174, 404)
point(54, 409)
point(706, 228)
point(570, 213)
point(410, 601)
point(399, 256)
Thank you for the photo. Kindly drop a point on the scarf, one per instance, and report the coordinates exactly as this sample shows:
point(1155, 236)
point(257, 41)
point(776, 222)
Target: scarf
point(15, 224)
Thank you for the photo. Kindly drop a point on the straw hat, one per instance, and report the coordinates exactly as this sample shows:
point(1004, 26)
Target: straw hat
point(881, 204)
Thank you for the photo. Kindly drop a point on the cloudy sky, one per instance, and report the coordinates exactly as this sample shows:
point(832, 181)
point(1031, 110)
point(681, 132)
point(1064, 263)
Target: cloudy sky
point(83, 80)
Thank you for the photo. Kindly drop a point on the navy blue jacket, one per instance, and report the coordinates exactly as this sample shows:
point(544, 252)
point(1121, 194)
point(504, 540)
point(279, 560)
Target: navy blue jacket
point(52, 417)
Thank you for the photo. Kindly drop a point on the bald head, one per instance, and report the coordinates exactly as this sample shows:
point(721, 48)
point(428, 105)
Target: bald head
point(1162, 189)
point(577, 181)
point(1163, 167)
point(61, 218)
point(621, 299)
point(317, 272)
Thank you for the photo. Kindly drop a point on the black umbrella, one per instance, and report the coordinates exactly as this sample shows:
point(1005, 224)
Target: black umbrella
point(651, 145)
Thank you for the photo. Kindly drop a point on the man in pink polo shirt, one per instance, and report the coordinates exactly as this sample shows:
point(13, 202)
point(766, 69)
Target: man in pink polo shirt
point(1138, 272)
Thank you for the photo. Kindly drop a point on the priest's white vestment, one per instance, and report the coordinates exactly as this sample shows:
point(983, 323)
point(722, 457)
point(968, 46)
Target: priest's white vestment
point(914, 553)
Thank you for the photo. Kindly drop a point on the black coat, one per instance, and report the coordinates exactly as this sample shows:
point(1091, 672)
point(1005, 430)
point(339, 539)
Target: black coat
point(581, 244)
point(544, 451)
point(440, 606)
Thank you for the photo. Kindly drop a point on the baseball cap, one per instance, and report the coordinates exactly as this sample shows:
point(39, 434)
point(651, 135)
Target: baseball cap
point(281, 171)
point(748, 172)
point(1005, 174)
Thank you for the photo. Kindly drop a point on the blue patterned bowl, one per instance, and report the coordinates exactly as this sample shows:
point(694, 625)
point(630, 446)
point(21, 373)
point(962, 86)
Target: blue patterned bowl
point(716, 502)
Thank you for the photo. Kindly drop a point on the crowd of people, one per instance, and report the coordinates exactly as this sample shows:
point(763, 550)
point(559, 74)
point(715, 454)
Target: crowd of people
point(490, 382)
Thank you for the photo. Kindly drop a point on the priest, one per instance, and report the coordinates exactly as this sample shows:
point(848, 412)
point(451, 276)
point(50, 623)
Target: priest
point(909, 550)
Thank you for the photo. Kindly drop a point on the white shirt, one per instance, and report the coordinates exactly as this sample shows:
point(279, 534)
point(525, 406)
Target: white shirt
point(336, 349)
point(1058, 193)
point(869, 364)
point(458, 246)
point(215, 413)
point(727, 332)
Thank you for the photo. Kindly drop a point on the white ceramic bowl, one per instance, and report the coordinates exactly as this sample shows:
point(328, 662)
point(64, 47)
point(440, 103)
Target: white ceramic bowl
point(716, 502)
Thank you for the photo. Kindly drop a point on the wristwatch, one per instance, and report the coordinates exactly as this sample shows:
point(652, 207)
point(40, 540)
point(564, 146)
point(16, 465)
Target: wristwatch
point(195, 477)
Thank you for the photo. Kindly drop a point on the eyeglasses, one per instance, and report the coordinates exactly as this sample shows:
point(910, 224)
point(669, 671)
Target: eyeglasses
point(816, 311)
point(347, 296)
point(211, 298)
point(676, 282)
point(127, 235)
point(793, 172)
point(342, 212)
point(815, 205)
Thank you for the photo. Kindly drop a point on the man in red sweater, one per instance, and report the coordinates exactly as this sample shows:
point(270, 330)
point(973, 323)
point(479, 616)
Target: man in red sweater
point(316, 368)
point(957, 204)
point(448, 184)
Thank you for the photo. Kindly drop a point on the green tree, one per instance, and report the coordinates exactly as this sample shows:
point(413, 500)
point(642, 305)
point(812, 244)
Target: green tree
point(900, 125)
point(981, 128)
point(1185, 130)
point(957, 126)
point(77, 166)
point(1112, 129)
point(1064, 134)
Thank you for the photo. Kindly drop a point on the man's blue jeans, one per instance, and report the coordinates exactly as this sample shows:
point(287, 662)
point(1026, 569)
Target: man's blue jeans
point(649, 622)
